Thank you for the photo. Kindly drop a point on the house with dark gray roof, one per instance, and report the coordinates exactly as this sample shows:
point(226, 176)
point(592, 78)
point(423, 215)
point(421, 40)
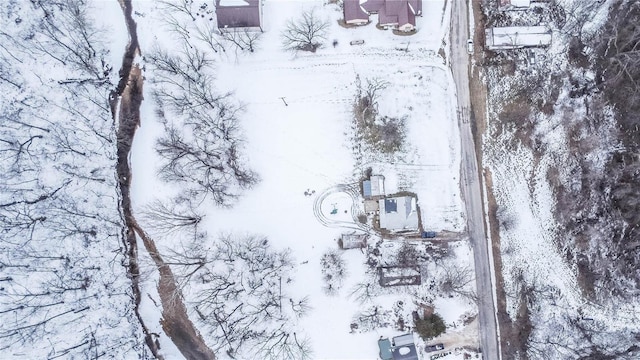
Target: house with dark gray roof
point(398, 14)
point(245, 14)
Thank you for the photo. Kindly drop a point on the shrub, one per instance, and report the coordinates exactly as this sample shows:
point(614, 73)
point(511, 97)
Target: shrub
point(430, 327)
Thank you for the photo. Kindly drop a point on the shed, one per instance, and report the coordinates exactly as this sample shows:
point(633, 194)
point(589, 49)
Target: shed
point(403, 340)
point(404, 348)
point(374, 187)
point(352, 241)
point(407, 352)
point(515, 37)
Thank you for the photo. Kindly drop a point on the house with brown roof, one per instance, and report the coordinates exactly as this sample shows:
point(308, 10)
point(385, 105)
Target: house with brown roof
point(398, 14)
point(239, 14)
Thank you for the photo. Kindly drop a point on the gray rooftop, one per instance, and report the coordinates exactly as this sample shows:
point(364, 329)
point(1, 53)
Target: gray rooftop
point(399, 213)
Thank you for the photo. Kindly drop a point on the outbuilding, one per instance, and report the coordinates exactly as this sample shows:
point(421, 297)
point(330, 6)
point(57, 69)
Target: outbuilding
point(352, 241)
point(516, 37)
point(373, 187)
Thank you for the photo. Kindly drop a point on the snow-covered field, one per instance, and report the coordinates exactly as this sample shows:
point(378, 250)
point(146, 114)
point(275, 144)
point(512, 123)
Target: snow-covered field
point(296, 123)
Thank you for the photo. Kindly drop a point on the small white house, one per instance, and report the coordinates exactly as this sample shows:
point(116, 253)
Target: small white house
point(399, 213)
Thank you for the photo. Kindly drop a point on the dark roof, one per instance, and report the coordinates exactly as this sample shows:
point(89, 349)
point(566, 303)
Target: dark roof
point(392, 12)
point(373, 6)
point(353, 10)
point(239, 15)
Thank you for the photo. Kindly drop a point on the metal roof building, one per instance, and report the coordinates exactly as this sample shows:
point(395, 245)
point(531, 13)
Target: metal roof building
point(515, 37)
point(373, 187)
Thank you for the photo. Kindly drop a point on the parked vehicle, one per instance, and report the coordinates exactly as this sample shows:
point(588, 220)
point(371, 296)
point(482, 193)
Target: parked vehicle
point(429, 234)
point(470, 46)
point(436, 347)
point(356, 42)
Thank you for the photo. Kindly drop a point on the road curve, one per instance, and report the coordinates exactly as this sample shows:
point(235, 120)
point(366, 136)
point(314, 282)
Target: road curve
point(470, 183)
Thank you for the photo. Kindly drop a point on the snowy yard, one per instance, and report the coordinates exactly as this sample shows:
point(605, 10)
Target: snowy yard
point(297, 136)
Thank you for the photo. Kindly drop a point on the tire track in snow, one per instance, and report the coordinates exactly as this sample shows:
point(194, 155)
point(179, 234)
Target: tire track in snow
point(353, 192)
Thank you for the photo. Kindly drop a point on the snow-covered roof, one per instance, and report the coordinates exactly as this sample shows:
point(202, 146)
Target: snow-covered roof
point(514, 37)
point(399, 213)
point(404, 352)
point(374, 186)
point(402, 340)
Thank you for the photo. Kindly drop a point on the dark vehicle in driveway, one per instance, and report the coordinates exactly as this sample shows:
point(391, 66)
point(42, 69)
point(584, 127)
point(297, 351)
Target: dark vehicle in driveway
point(436, 347)
point(428, 234)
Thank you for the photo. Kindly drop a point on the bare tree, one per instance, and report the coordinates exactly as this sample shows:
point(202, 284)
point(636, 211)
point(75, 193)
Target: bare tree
point(239, 293)
point(208, 35)
point(305, 33)
point(171, 217)
point(241, 39)
point(456, 279)
point(374, 317)
point(365, 292)
point(333, 271)
point(201, 146)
